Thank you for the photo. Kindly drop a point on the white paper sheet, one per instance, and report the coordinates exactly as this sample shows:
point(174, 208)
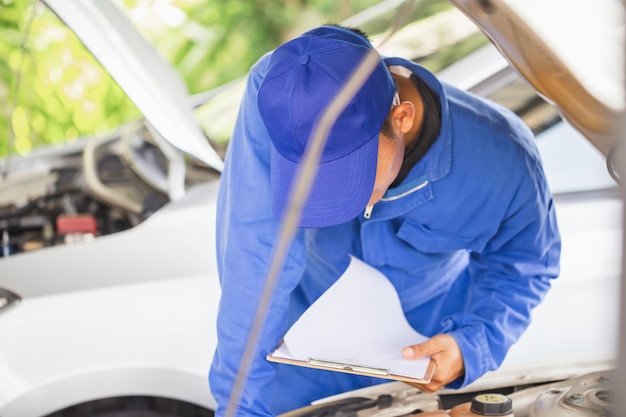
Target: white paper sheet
point(357, 321)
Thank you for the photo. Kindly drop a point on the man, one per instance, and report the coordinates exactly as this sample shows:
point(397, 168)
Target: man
point(441, 191)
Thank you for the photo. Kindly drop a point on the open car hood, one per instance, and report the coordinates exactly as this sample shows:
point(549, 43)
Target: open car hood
point(148, 80)
point(571, 52)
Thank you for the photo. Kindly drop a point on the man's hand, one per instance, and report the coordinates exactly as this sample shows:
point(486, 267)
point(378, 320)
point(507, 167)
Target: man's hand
point(445, 352)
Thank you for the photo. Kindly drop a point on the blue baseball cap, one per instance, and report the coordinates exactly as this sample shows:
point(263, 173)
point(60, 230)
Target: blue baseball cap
point(302, 78)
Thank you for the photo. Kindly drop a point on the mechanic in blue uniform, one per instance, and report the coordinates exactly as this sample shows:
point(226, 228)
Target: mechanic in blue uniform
point(440, 190)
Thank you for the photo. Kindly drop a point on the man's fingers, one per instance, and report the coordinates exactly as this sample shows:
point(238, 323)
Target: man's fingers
point(445, 353)
point(411, 352)
point(418, 351)
point(430, 347)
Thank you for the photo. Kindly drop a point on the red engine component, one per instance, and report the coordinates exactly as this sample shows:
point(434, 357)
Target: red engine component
point(80, 223)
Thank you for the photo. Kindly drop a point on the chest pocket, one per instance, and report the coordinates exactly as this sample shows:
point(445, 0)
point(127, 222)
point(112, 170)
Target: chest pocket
point(432, 241)
point(411, 247)
point(420, 251)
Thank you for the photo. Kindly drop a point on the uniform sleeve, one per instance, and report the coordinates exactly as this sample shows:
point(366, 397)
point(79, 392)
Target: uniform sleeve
point(246, 234)
point(508, 278)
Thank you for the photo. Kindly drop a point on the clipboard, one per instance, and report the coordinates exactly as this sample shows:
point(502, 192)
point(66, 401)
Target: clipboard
point(361, 309)
point(356, 369)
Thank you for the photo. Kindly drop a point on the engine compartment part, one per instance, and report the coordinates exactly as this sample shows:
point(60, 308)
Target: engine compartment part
point(489, 404)
point(91, 188)
point(588, 395)
point(399, 404)
point(8, 299)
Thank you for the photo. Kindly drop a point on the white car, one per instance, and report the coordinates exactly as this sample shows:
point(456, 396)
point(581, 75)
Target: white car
point(108, 280)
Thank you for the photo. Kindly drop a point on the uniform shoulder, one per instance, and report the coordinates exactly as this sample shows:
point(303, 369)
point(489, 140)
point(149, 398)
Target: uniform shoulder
point(485, 111)
point(259, 69)
point(495, 121)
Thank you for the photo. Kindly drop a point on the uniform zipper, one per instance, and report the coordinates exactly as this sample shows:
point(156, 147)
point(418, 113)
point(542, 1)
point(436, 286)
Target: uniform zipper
point(368, 210)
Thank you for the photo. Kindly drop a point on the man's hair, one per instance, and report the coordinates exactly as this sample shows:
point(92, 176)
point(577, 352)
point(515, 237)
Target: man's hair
point(353, 29)
point(386, 129)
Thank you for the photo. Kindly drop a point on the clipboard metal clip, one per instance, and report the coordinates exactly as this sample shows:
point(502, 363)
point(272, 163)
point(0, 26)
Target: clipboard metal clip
point(349, 367)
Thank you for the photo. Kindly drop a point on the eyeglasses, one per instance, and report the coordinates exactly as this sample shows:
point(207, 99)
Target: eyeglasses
point(396, 99)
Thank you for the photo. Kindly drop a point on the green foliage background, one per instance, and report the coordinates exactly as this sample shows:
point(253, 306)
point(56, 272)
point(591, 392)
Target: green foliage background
point(50, 86)
point(53, 90)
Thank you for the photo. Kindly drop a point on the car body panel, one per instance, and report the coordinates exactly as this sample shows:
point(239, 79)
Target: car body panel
point(60, 358)
point(93, 324)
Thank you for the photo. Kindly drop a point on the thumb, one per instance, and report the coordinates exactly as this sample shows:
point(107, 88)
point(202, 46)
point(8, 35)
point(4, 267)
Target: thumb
point(428, 348)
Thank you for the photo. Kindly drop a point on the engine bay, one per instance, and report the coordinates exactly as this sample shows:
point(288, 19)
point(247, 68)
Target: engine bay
point(587, 395)
point(93, 187)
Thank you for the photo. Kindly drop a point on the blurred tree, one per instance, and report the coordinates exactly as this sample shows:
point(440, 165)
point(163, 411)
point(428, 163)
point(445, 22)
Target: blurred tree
point(213, 42)
point(53, 90)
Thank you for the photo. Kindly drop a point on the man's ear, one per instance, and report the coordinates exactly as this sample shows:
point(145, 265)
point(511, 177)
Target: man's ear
point(404, 116)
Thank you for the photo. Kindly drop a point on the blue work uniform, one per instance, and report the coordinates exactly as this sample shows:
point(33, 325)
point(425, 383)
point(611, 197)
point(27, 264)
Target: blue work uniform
point(469, 239)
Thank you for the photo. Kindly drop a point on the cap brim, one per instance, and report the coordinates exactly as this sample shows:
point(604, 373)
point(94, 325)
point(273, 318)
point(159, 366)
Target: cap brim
point(340, 191)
